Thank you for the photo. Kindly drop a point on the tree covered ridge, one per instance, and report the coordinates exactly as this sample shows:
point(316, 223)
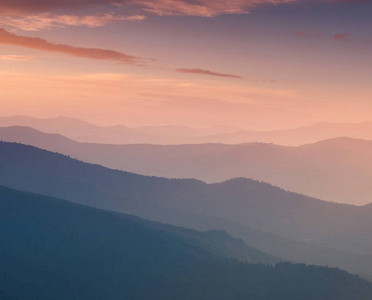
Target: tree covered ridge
point(54, 249)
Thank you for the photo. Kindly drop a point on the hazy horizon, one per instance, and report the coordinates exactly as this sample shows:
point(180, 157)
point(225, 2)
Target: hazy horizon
point(139, 125)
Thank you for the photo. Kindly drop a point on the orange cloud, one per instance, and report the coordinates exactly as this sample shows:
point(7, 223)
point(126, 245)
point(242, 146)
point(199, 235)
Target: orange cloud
point(205, 8)
point(206, 72)
point(16, 57)
point(48, 20)
point(43, 45)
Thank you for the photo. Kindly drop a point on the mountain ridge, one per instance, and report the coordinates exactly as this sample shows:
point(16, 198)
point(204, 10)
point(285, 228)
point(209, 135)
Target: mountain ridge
point(84, 131)
point(249, 210)
point(63, 250)
point(344, 163)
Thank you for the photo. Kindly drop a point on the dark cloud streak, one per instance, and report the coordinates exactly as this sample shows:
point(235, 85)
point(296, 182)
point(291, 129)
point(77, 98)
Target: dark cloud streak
point(44, 45)
point(206, 72)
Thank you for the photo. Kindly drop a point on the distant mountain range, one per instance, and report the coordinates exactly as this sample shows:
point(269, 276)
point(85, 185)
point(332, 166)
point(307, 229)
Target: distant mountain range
point(54, 249)
point(83, 131)
point(335, 170)
point(275, 221)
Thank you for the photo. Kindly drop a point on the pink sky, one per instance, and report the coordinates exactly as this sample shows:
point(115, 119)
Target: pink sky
point(253, 64)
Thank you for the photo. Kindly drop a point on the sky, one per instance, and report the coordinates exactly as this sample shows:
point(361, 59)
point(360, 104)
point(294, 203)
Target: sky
point(252, 64)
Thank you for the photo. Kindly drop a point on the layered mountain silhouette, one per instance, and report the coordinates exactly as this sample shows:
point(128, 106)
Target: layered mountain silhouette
point(273, 220)
point(335, 170)
point(54, 249)
point(83, 131)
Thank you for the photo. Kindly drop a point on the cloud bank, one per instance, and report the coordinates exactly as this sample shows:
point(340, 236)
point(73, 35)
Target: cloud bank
point(48, 20)
point(46, 14)
point(205, 8)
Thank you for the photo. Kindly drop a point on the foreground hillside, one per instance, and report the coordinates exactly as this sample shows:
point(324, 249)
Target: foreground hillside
point(53, 249)
point(285, 224)
point(334, 170)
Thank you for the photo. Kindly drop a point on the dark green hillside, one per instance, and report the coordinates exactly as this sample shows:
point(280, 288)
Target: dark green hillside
point(54, 249)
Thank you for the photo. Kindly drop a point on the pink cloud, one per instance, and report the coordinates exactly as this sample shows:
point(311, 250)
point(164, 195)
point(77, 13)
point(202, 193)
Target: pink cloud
point(308, 33)
point(301, 33)
point(346, 1)
point(341, 36)
point(207, 72)
point(43, 45)
point(314, 34)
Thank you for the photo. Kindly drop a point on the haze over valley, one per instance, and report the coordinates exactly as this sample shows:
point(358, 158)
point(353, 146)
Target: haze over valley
point(336, 170)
